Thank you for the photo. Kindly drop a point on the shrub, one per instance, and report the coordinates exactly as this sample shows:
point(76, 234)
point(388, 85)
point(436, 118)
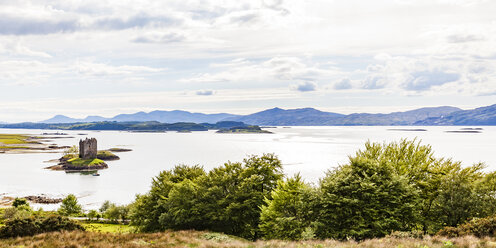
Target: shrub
point(34, 225)
point(480, 227)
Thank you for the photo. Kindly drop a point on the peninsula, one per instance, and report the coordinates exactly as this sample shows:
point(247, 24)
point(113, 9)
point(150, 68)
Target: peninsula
point(20, 143)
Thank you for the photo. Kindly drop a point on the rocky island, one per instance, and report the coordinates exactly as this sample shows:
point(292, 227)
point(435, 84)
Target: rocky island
point(88, 158)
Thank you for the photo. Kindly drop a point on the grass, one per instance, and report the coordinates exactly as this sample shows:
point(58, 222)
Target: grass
point(13, 139)
point(106, 155)
point(107, 228)
point(208, 239)
point(85, 162)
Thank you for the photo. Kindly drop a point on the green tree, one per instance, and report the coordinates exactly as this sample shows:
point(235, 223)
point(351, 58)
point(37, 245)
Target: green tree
point(365, 199)
point(290, 212)
point(147, 209)
point(92, 214)
point(105, 205)
point(20, 202)
point(70, 206)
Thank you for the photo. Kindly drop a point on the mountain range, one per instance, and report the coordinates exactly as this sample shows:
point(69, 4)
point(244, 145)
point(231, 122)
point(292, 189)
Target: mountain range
point(158, 115)
point(444, 115)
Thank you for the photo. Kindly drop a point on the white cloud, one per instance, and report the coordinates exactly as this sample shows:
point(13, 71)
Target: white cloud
point(205, 92)
point(100, 69)
point(305, 86)
point(277, 68)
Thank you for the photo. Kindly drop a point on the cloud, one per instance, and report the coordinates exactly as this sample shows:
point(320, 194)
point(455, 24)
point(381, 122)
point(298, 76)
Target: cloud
point(136, 21)
point(99, 69)
point(343, 84)
point(424, 80)
point(159, 37)
point(205, 92)
point(305, 86)
point(463, 38)
point(17, 25)
point(17, 48)
point(277, 68)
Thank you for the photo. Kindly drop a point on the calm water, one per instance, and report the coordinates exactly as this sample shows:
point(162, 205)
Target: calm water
point(308, 150)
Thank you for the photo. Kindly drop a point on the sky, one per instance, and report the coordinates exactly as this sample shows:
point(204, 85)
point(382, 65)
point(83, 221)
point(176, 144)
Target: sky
point(99, 57)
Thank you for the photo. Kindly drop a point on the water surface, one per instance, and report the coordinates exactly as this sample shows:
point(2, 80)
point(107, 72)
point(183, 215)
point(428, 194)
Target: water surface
point(308, 150)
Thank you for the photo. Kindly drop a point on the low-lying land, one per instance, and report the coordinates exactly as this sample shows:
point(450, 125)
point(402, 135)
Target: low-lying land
point(246, 129)
point(19, 143)
point(209, 239)
point(148, 126)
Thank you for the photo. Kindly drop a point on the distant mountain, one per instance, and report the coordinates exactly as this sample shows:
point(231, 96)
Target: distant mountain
point(313, 117)
point(474, 117)
point(393, 119)
point(290, 117)
point(309, 117)
point(60, 119)
point(160, 116)
point(172, 117)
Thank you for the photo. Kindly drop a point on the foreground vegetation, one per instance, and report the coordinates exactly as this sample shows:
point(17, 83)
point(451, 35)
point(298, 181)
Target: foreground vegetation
point(386, 195)
point(208, 239)
point(384, 188)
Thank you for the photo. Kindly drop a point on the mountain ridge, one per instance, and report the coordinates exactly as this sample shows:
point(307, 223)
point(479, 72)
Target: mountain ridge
point(443, 115)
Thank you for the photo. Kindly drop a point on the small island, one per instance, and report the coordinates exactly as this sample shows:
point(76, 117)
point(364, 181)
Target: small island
point(20, 143)
point(244, 129)
point(88, 158)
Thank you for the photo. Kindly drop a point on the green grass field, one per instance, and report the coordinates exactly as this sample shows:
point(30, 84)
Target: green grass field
point(107, 228)
point(85, 162)
point(13, 139)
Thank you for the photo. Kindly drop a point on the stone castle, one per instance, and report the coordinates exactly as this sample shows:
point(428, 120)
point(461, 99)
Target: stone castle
point(88, 148)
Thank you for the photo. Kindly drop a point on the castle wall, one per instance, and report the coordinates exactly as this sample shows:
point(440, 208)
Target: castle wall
point(88, 148)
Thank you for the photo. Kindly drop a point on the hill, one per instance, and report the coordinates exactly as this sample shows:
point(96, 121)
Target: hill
point(313, 117)
point(159, 116)
point(290, 117)
point(479, 116)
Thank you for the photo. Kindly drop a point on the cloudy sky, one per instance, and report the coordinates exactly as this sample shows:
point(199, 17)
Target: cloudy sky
point(98, 57)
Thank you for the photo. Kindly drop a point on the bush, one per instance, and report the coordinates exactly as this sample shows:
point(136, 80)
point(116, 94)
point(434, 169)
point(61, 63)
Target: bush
point(35, 225)
point(480, 227)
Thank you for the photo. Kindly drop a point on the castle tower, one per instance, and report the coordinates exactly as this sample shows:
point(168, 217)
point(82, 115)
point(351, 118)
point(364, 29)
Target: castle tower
point(88, 148)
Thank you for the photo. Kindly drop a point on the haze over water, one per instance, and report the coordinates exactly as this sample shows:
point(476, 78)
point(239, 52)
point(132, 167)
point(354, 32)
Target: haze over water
point(311, 151)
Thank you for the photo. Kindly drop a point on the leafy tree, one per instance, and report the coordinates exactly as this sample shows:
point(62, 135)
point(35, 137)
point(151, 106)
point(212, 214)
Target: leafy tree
point(70, 206)
point(112, 213)
point(147, 209)
point(19, 202)
point(105, 205)
point(365, 199)
point(228, 199)
point(289, 214)
point(93, 214)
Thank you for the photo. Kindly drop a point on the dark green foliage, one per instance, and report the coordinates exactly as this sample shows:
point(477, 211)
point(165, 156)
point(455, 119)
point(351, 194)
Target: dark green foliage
point(365, 199)
point(19, 202)
point(290, 212)
point(398, 187)
point(480, 227)
point(34, 225)
point(448, 193)
point(227, 199)
point(148, 208)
